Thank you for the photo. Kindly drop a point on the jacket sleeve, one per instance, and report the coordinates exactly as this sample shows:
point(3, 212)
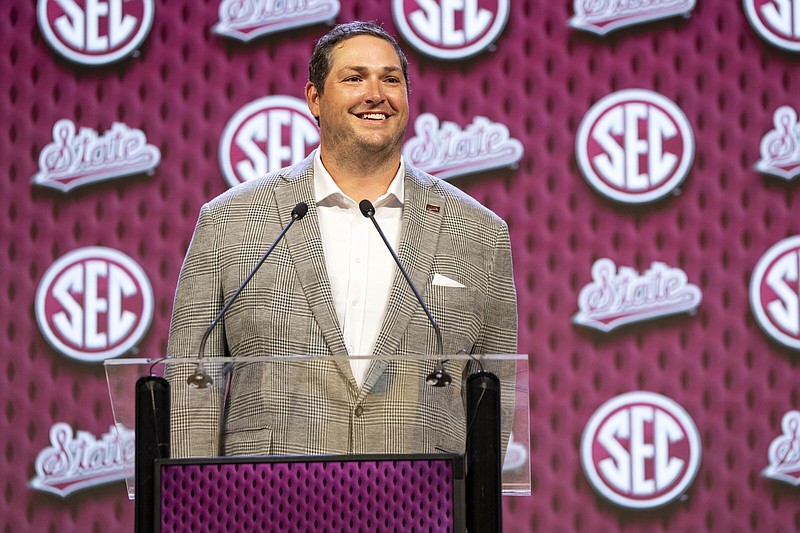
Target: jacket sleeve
point(499, 328)
point(195, 412)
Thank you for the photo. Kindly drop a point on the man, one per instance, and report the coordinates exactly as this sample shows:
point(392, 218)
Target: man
point(331, 286)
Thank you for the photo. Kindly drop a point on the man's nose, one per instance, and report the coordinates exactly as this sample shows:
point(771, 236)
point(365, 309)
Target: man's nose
point(374, 92)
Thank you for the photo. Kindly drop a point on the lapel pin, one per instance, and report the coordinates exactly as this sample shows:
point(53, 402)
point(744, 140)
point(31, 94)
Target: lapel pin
point(433, 208)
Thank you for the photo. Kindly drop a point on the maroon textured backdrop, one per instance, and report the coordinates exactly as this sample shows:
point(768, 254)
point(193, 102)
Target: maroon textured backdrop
point(540, 80)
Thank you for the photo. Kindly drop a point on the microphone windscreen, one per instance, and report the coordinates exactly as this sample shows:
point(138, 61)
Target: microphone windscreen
point(366, 208)
point(299, 210)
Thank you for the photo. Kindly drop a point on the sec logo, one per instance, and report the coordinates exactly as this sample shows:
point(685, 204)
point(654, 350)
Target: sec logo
point(94, 303)
point(775, 292)
point(634, 146)
point(95, 32)
point(450, 29)
point(264, 136)
point(777, 22)
point(640, 450)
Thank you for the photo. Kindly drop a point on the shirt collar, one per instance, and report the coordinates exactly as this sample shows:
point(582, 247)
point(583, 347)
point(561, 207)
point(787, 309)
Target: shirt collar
point(327, 193)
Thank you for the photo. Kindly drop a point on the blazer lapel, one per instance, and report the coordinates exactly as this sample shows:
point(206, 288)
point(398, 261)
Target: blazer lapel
point(419, 237)
point(305, 247)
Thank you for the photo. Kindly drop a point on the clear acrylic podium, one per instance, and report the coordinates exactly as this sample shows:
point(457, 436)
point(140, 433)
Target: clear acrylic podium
point(206, 422)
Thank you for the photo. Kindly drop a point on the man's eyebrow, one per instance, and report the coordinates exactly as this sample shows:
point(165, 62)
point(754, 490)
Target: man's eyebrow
point(361, 69)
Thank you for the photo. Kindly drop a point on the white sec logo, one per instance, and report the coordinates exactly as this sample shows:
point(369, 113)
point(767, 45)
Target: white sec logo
point(94, 303)
point(634, 146)
point(778, 23)
point(95, 32)
point(775, 292)
point(450, 29)
point(266, 135)
point(640, 450)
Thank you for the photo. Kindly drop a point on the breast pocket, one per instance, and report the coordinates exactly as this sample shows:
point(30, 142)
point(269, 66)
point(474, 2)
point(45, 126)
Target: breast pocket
point(456, 309)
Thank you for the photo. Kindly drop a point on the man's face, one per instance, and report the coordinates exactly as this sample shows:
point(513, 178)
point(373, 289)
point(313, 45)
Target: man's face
point(363, 109)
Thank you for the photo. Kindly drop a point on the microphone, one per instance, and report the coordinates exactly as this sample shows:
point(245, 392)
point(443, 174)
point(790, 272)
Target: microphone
point(439, 377)
point(483, 480)
point(200, 377)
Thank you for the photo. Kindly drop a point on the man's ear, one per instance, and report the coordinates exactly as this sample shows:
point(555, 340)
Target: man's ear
point(312, 98)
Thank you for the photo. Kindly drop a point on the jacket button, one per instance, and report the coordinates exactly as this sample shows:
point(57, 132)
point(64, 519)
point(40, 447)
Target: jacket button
point(359, 410)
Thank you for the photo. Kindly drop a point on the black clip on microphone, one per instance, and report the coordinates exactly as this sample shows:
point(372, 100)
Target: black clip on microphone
point(439, 377)
point(200, 378)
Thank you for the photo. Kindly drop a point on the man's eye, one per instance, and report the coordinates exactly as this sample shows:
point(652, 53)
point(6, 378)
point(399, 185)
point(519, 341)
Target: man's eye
point(352, 78)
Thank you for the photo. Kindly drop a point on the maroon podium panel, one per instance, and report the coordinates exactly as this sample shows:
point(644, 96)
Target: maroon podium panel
point(327, 493)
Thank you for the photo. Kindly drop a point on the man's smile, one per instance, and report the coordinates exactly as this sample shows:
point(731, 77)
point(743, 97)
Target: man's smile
point(372, 116)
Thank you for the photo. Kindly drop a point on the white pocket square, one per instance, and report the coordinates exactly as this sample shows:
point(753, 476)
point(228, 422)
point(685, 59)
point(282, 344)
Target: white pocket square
point(444, 281)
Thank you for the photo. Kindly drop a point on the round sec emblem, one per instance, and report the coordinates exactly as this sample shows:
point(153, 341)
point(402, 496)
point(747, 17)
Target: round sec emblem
point(634, 146)
point(776, 22)
point(95, 33)
point(94, 303)
point(640, 450)
point(775, 292)
point(450, 30)
point(264, 136)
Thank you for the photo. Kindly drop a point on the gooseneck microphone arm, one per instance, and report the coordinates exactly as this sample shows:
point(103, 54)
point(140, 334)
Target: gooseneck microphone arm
point(200, 378)
point(439, 377)
point(483, 481)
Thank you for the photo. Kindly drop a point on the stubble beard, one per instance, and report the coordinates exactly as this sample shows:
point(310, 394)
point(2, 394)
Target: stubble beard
point(355, 150)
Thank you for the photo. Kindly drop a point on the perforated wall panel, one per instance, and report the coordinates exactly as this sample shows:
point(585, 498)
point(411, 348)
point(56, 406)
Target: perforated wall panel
point(539, 79)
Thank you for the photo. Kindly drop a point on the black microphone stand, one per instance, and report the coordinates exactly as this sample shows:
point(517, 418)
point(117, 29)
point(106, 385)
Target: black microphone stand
point(439, 377)
point(484, 505)
point(200, 378)
point(152, 404)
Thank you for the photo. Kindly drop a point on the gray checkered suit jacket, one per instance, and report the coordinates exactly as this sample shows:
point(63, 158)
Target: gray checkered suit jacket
point(287, 308)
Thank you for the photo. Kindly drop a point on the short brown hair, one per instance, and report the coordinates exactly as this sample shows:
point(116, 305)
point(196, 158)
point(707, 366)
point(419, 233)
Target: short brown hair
point(320, 64)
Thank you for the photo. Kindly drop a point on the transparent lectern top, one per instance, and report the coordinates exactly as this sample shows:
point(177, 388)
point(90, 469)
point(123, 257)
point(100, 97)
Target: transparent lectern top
point(283, 373)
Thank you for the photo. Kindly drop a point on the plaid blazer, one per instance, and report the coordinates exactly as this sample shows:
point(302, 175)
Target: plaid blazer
point(287, 308)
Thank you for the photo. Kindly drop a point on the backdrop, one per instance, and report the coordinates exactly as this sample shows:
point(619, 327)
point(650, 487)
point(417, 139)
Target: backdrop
point(114, 133)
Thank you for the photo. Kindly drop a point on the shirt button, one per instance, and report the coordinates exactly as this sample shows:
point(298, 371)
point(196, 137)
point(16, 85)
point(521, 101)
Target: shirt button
point(355, 303)
point(358, 260)
point(359, 411)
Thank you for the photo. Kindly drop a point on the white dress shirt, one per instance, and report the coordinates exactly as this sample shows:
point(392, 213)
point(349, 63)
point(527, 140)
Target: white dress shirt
point(359, 266)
